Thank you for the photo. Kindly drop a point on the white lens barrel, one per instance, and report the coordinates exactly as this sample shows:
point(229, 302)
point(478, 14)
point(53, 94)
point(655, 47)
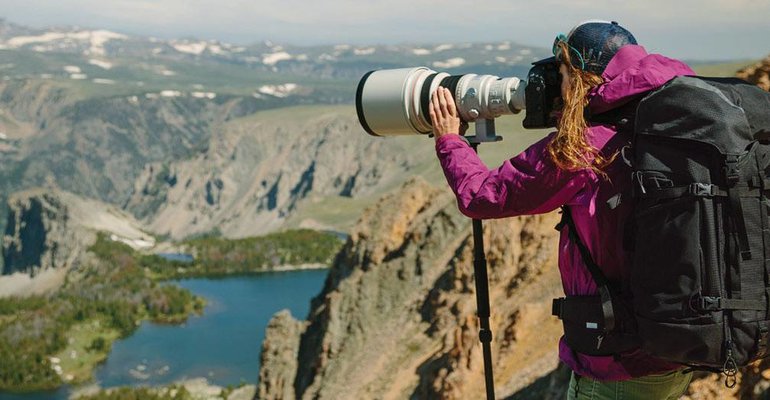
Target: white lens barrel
point(388, 102)
point(395, 102)
point(488, 97)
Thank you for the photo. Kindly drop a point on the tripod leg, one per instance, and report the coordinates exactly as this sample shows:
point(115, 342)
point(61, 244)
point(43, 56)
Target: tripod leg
point(482, 304)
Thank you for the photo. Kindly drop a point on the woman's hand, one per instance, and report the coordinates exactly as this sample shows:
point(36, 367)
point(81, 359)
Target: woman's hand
point(443, 114)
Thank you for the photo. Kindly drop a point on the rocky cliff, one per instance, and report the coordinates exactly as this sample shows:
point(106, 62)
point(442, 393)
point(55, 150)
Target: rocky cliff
point(52, 135)
point(96, 147)
point(396, 318)
point(47, 233)
point(268, 168)
point(758, 74)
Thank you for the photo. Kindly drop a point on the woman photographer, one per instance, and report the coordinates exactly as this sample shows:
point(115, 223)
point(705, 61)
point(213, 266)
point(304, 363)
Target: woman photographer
point(579, 165)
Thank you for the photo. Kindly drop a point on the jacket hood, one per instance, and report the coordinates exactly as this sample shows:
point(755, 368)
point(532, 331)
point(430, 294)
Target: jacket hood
point(631, 73)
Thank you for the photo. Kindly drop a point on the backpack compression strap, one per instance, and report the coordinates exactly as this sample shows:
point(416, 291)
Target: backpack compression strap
point(596, 273)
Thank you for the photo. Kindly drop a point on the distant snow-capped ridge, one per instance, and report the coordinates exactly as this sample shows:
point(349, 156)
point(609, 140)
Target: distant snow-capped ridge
point(50, 41)
point(199, 47)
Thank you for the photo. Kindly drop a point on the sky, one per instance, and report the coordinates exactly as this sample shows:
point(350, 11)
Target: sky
point(689, 29)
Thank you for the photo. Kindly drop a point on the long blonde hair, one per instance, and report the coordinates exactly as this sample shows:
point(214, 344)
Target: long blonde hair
point(570, 149)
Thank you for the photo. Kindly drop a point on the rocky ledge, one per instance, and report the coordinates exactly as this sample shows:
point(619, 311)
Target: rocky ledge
point(396, 318)
point(47, 233)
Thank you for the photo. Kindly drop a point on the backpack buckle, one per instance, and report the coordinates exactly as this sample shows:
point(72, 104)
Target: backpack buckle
point(702, 189)
point(705, 303)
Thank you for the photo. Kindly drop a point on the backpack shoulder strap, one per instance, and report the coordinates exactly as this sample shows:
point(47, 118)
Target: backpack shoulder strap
point(602, 283)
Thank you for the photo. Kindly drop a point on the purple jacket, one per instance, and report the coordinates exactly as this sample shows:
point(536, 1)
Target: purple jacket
point(530, 183)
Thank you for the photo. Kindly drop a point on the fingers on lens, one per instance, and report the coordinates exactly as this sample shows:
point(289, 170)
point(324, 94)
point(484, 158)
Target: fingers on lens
point(451, 109)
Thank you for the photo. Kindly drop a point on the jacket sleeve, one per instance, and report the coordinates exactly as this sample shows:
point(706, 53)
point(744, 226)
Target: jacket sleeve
point(529, 183)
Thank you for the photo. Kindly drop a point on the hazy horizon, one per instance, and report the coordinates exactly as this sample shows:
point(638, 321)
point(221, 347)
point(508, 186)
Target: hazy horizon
point(687, 29)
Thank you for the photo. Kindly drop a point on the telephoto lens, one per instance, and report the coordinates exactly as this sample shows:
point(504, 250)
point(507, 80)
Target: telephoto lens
point(395, 102)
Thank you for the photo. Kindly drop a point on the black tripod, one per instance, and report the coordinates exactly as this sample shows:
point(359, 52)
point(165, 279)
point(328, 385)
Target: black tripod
point(485, 132)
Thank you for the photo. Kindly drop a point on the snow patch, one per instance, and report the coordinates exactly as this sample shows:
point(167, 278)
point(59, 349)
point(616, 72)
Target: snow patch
point(421, 52)
point(170, 93)
point(3, 136)
point(342, 47)
point(504, 46)
point(100, 37)
point(78, 77)
point(443, 47)
point(204, 95)
point(274, 58)
point(134, 243)
point(525, 52)
point(500, 59)
point(96, 40)
point(278, 90)
point(216, 49)
point(101, 64)
point(104, 81)
point(167, 72)
point(450, 63)
point(196, 48)
point(364, 52)
point(72, 69)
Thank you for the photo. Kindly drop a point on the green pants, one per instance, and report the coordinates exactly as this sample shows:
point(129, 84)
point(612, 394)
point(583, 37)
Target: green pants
point(671, 385)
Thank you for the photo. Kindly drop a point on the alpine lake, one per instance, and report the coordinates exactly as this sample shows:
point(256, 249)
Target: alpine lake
point(222, 345)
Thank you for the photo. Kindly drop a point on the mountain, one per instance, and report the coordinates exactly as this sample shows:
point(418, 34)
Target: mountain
point(103, 114)
point(48, 232)
point(399, 300)
point(115, 62)
point(758, 74)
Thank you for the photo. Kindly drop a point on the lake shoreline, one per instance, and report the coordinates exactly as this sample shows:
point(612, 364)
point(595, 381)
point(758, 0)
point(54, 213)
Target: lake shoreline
point(239, 310)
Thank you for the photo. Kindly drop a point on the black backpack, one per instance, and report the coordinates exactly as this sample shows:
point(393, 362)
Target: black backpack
point(700, 279)
point(700, 229)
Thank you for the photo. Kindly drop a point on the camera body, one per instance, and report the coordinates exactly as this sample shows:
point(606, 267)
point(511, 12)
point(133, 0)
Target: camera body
point(396, 101)
point(543, 94)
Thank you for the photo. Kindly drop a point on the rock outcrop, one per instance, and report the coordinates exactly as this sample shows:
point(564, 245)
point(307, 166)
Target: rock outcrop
point(47, 233)
point(396, 318)
point(280, 351)
point(268, 168)
point(758, 74)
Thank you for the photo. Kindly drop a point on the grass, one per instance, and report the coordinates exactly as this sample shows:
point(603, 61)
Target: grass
point(722, 69)
point(81, 338)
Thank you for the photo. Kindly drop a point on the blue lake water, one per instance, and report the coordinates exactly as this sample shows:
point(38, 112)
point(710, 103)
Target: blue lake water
point(222, 345)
